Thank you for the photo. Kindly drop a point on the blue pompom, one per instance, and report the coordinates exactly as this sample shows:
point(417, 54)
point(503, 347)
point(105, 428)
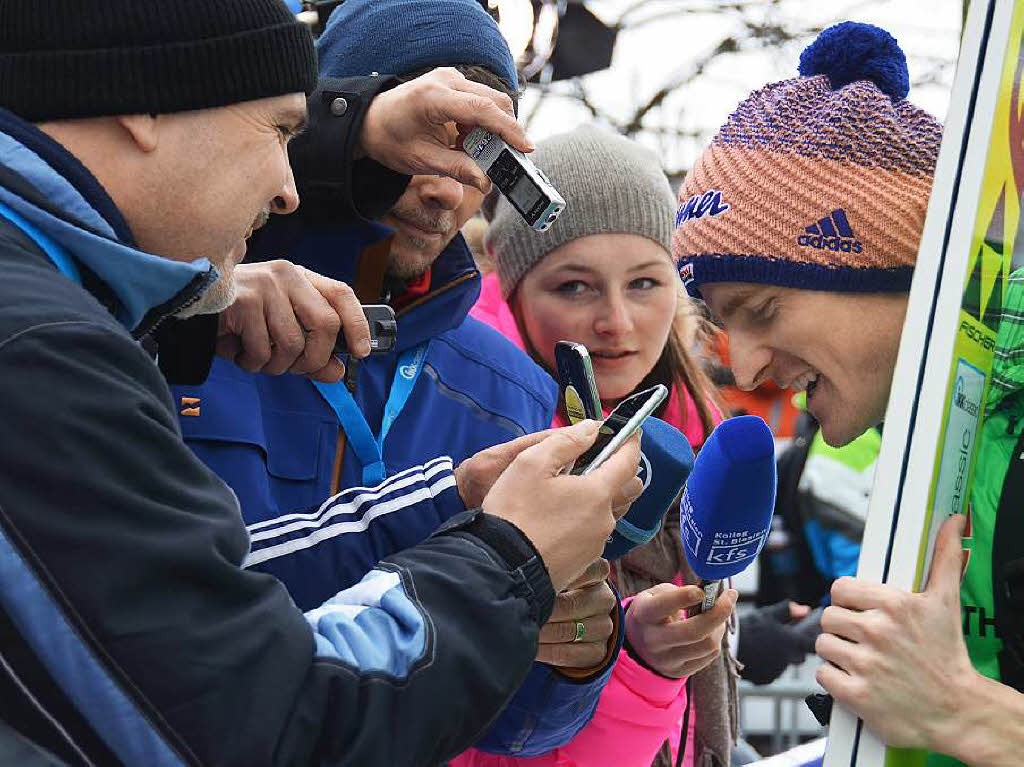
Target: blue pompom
point(852, 51)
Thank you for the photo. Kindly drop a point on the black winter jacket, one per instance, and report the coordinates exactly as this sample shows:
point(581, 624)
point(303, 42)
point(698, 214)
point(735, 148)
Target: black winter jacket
point(128, 630)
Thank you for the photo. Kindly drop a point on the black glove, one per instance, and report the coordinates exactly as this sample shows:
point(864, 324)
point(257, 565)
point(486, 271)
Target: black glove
point(820, 705)
point(769, 641)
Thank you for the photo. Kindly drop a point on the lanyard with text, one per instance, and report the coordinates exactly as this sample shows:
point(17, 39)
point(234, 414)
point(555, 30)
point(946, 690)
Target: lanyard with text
point(368, 448)
point(60, 257)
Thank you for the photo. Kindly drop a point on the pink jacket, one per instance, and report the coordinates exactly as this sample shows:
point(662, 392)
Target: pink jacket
point(638, 710)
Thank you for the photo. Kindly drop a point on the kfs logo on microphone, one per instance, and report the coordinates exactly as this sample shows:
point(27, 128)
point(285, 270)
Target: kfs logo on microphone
point(728, 548)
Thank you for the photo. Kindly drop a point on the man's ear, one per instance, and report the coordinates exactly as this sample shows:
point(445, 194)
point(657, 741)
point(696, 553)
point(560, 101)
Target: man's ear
point(142, 129)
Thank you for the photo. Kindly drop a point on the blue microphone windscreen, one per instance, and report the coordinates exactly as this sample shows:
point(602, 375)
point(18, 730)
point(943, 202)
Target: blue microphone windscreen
point(747, 438)
point(665, 462)
point(726, 509)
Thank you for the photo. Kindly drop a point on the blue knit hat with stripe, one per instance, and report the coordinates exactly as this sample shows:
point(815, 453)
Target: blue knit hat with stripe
point(396, 37)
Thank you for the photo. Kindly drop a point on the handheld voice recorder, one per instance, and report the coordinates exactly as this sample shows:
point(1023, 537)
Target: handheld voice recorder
point(576, 379)
point(523, 183)
point(621, 424)
point(383, 330)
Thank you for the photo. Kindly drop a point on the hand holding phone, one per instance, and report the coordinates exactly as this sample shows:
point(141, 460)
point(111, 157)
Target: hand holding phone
point(567, 518)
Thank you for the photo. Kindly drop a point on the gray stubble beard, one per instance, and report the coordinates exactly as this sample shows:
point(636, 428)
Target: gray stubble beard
point(218, 297)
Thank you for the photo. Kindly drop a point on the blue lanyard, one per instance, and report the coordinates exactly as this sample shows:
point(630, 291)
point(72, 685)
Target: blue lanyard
point(60, 257)
point(368, 448)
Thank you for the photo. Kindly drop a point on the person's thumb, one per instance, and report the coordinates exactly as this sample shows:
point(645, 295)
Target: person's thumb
point(797, 611)
point(947, 561)
point(562, 447)
point(621, 466)
point(659, 603)
point(330, 373)
point(509, 450)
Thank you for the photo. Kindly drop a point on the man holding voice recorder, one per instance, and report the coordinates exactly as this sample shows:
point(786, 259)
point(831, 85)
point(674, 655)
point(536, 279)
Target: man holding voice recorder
point(138, 150)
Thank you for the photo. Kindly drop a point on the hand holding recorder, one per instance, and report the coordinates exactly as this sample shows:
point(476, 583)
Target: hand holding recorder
point(665, 456)
point(476, 475)
point(660, 633)
point(288, 319)
point(413, 128)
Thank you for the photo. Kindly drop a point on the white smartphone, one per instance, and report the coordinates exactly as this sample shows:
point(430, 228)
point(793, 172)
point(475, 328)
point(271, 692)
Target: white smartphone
point(621, 424)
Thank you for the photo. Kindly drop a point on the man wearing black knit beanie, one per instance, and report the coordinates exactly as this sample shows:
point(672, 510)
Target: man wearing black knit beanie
point(140, 145)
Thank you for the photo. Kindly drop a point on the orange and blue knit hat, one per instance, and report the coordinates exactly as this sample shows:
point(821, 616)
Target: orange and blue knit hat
point(818, 182)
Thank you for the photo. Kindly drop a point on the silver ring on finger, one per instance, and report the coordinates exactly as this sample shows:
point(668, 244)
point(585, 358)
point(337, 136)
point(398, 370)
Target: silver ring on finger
point(581, 632)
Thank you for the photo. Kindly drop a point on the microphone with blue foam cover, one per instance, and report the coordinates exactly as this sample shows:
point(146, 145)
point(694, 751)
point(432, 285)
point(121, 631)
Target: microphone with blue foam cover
point(665, 462)
point(727, 504)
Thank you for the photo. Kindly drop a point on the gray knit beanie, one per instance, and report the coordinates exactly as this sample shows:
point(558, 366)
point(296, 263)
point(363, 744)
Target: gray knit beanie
point(610, 185)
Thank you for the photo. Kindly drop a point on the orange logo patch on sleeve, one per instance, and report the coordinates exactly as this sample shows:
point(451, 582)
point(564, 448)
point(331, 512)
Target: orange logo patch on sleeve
point(190, 406)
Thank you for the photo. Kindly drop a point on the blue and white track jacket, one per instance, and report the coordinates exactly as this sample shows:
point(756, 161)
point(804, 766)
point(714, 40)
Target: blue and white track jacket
point(274, 440)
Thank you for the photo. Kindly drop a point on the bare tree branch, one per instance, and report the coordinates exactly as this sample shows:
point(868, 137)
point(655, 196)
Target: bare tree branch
point(772, 26)
point(628, 21)
point(583, 97)
point(728, 45)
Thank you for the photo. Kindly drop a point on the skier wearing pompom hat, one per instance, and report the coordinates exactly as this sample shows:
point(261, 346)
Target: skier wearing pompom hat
point(799, 226)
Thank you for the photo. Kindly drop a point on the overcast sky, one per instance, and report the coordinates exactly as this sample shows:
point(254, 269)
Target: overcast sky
point(654, 54)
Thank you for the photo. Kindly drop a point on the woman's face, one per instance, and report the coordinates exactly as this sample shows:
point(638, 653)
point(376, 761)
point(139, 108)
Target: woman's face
point(614, 293)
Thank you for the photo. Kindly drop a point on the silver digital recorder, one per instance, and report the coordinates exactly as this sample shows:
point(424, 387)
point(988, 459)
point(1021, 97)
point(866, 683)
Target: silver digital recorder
point(523, 183)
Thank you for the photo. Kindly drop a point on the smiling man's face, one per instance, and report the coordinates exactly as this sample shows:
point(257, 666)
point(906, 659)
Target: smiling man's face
point(214, 176)
point(839, 347)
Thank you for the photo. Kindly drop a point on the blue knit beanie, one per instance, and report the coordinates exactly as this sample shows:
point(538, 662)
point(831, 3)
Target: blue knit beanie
point(396, 37)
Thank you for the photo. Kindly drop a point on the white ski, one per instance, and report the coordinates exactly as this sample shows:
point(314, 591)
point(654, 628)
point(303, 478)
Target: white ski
point(926, 462)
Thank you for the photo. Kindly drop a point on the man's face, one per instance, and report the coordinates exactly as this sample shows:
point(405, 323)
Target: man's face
point(425, 219)
point(840, 347)
point(217, 174)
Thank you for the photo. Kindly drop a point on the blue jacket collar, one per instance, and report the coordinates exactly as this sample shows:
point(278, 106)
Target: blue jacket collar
point(454, 280)
point(454, 288)
point(64, 200)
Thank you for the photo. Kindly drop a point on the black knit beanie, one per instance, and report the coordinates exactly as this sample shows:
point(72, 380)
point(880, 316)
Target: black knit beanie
point(88, 58)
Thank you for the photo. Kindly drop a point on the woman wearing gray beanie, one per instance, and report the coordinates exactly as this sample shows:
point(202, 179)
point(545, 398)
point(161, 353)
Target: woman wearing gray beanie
point(603, 276)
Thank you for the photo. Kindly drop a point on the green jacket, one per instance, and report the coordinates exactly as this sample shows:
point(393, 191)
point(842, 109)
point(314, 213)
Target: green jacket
point(1004, 420)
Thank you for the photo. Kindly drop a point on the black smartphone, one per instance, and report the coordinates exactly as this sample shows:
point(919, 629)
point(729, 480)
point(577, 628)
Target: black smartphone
point(383, 330)
point(576, 382)
point(621, 424)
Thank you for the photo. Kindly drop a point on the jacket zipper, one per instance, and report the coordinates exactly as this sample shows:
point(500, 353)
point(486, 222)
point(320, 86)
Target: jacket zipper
point(186, 297)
